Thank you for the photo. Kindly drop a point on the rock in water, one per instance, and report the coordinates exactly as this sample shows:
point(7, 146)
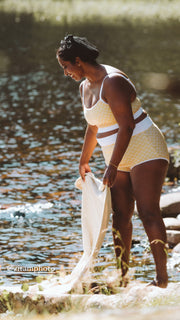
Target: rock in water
point(170, 204)
point(173, 236)
point(176, 249)
point(172, 223)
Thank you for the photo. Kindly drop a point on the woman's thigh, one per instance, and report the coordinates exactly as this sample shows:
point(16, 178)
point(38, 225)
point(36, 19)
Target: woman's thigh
point(122, 195)
point(147, 180)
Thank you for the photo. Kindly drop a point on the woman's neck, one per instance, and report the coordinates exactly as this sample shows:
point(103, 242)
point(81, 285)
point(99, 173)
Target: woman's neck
point(94, 73)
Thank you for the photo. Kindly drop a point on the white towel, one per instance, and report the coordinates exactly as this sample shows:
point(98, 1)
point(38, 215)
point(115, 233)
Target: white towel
point(96, 208)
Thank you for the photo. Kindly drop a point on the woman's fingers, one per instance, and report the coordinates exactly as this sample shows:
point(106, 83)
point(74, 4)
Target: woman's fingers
point(109, 176)
point(83, 169)
point(82, 173)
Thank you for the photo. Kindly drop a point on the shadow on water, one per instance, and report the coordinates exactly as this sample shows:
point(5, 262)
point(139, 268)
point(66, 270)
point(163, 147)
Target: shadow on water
point(42, 128)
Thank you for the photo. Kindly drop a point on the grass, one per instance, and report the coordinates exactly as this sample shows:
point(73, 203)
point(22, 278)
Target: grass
point(67, 11)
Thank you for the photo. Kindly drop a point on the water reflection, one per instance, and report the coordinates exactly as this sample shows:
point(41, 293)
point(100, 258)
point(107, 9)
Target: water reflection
point(42, 128)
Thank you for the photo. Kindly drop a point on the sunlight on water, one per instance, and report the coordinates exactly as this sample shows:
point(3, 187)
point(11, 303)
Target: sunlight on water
point(42, 128)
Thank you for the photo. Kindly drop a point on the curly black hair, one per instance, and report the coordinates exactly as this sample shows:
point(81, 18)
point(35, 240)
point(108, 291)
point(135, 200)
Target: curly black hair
point(74, 46)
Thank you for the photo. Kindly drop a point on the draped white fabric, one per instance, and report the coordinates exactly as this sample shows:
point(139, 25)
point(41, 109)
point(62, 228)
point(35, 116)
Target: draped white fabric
point(96, 208)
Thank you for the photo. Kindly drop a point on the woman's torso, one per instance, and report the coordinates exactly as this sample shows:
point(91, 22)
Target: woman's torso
point(100, 114)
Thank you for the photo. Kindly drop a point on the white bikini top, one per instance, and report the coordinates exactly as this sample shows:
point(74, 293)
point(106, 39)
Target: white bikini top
point(100, 114)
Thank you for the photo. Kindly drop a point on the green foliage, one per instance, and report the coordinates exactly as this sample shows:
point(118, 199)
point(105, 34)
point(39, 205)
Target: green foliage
point(71, 10)
point(39, 279)
point(40, 288)
point(25, 287)
point(158, 241)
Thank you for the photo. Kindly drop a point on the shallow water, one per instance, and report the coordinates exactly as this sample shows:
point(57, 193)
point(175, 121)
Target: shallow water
point(42, 128)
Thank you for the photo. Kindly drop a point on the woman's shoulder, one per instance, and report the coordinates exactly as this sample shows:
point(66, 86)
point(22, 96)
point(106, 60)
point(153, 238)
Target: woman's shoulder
point(117, 78)
point(112, 71)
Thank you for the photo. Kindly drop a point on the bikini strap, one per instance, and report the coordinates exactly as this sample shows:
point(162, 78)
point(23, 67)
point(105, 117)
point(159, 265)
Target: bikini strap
point(111, 75)
point(82, 91)
point(101, 88)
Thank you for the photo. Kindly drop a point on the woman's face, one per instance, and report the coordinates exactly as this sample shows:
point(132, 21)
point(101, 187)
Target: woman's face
point(74, 71)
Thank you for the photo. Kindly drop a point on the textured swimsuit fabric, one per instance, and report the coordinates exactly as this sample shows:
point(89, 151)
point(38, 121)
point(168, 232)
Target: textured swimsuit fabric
point(145, 146)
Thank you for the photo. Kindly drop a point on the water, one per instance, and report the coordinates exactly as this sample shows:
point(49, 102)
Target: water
point(42, 128)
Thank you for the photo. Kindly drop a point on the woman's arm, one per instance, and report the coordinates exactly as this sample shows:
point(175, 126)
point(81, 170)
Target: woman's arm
point(119, 94)
point(89, 145)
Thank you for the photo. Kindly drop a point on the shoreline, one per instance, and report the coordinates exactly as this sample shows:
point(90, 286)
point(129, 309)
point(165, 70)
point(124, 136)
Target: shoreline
point(136, 296)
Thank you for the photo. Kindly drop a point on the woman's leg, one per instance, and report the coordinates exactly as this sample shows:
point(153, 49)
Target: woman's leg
point(147, 180)
point(123, 207)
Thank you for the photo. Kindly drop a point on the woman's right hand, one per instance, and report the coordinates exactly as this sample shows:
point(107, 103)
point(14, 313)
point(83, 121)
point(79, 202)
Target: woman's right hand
point(109, 175)
point(83, 169)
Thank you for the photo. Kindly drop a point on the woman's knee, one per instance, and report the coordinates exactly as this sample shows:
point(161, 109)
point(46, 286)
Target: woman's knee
point(121, 218)
point(123, 206)
point(149, 214)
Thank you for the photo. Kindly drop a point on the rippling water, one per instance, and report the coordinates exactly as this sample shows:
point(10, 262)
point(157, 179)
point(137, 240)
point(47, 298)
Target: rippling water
point(42, 128)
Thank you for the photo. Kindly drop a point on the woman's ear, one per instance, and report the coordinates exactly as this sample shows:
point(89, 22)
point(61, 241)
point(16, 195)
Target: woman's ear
point(78, 61)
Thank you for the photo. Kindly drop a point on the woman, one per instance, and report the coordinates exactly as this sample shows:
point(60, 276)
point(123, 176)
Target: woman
point(134, 149)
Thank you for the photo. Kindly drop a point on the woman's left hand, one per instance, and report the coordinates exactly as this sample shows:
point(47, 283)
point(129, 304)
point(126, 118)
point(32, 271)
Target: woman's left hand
point(109, 176)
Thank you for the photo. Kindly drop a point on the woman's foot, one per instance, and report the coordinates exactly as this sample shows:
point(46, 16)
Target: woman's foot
point(160, 284)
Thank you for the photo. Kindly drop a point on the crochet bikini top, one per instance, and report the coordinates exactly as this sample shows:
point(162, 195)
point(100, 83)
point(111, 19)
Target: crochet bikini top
point(100, 114)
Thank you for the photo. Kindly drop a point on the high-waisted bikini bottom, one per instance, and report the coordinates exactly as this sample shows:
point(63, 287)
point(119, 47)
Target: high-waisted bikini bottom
point(145, 146)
